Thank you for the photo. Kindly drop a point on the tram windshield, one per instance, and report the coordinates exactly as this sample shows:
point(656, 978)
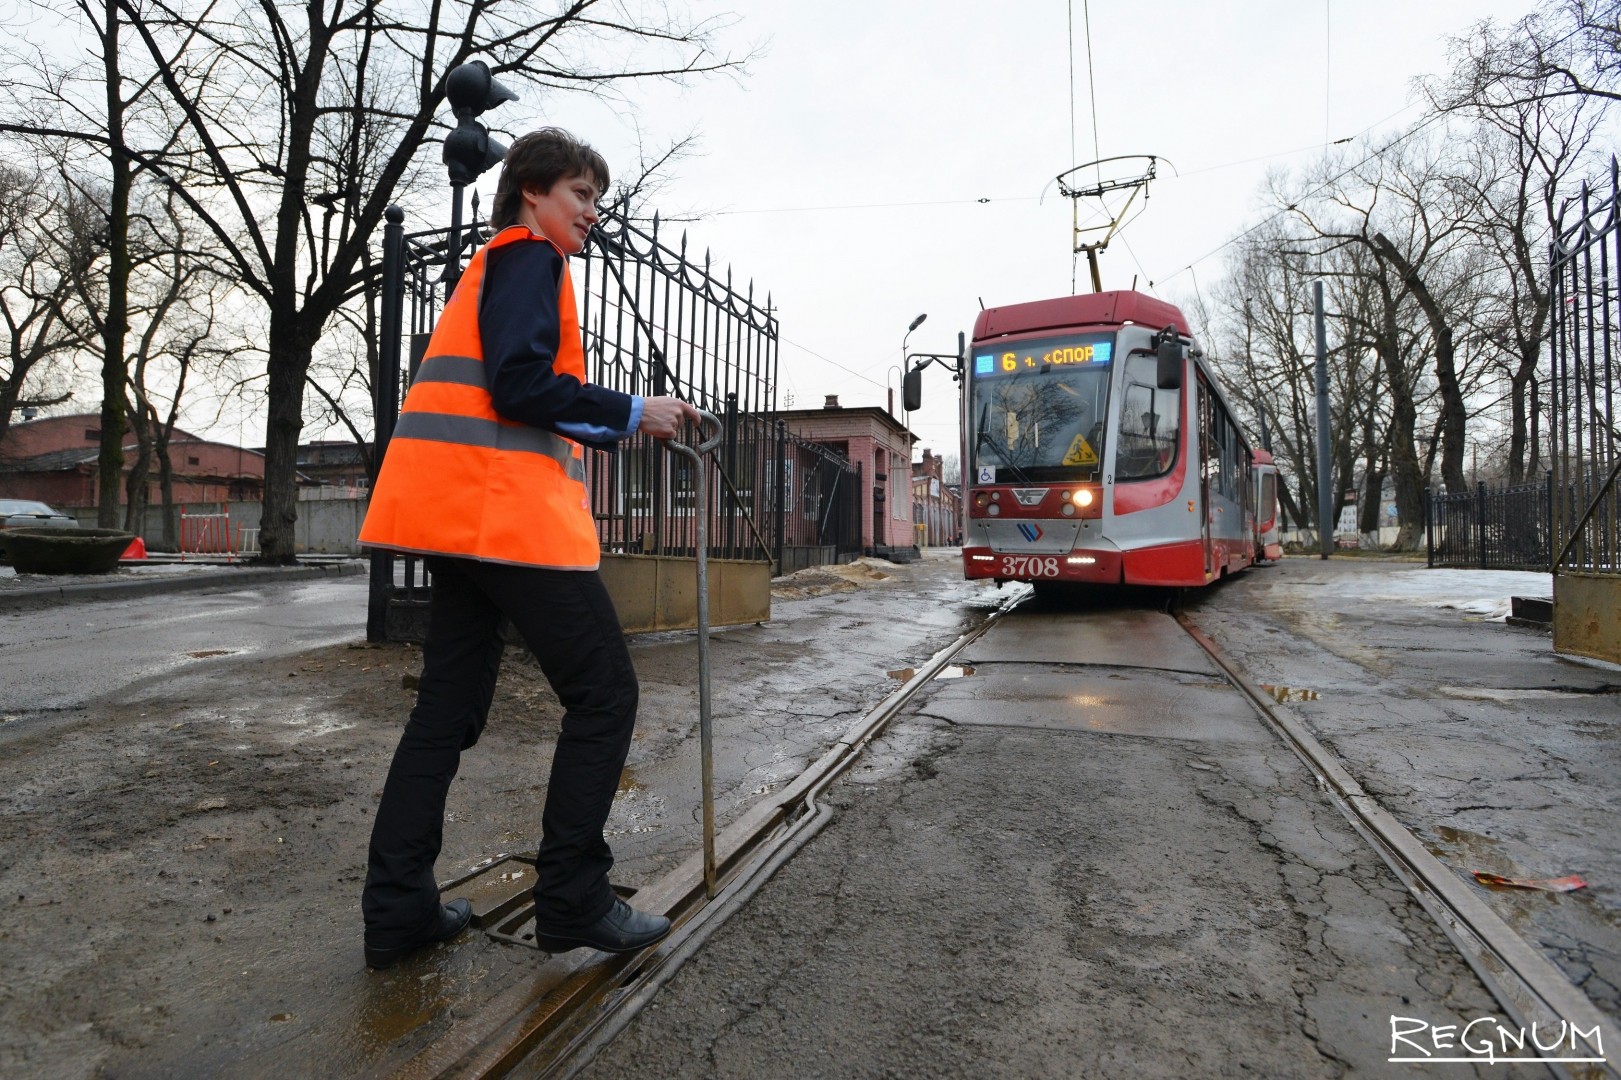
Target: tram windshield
point(1037, 409)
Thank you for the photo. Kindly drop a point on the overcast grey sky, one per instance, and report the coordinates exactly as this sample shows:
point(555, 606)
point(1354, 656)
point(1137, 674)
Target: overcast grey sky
point(843, 171)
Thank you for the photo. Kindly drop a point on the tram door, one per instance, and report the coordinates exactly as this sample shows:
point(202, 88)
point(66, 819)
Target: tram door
point(1209, 462)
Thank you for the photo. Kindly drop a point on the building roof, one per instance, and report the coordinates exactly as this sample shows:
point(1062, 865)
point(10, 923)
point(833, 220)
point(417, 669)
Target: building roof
point(54, 461)
point(855, 414)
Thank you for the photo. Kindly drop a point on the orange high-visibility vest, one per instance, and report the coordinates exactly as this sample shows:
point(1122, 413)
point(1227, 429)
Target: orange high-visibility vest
point(460, 480)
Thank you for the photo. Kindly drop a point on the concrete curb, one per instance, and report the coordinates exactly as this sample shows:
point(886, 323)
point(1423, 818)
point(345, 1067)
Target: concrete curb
point(227, 577)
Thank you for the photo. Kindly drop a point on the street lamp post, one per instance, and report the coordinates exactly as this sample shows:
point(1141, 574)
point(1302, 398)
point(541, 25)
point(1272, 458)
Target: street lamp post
point(917, 322)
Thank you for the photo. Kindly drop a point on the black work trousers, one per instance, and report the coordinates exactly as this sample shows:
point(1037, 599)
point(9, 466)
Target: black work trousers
point(568, 621)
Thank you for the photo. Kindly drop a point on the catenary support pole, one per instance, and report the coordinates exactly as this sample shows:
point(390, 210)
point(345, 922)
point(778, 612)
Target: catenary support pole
point(1325, 467)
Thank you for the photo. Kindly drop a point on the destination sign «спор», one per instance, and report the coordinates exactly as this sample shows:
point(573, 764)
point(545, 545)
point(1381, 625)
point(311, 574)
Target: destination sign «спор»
point(1045, 355)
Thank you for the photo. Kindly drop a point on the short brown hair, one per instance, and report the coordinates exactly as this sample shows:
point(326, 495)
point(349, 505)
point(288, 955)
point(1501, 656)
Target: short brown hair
point(537, 161)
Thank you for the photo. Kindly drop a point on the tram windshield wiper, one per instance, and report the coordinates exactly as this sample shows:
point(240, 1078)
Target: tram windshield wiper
point(985, 438)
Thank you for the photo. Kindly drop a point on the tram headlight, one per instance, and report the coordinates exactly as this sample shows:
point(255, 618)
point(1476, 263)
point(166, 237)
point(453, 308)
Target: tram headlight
point(1083, 497)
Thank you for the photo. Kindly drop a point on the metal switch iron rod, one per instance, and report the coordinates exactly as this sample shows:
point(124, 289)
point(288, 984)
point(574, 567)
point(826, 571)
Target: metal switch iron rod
point(700, 491)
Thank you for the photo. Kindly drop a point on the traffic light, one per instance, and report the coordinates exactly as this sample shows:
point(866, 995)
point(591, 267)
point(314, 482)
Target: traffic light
point(469, 150)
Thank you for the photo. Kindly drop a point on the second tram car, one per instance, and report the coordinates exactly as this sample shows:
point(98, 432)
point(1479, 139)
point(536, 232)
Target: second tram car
point(1098, 448)
point(1267, 545)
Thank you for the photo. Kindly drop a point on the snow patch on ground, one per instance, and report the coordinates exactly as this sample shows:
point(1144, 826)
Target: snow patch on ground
point(1483, 593)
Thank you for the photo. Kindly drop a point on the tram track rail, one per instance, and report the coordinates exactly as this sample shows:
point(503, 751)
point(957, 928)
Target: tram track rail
point(1530, 988)
point(556, 1034)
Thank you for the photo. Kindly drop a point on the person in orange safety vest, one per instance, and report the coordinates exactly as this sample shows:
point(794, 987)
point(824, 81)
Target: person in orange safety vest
point(485, 477)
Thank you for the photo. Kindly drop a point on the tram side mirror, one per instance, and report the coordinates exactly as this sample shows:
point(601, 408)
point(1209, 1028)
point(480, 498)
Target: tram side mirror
point(912, 390)
point(1168, 351)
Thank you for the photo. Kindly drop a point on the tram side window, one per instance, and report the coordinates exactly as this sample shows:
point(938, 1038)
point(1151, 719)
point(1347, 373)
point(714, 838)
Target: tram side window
point(1222, 461)
point(1150, 423)
point(1224, 448)
point(1234, 463)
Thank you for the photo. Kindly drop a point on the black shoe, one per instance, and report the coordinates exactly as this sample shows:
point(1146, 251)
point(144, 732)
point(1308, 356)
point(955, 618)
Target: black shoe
point(453, 919)
point(622, 930)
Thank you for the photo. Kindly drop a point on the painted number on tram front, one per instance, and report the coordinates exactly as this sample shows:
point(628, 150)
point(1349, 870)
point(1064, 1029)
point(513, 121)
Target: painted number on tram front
point(1029, 566)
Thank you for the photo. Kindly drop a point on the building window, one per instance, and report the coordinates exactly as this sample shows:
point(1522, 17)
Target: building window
point(91, 434)
point(194, 461)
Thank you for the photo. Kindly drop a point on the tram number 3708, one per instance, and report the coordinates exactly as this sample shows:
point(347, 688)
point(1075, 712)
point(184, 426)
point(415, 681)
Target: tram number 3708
point(1029, 566)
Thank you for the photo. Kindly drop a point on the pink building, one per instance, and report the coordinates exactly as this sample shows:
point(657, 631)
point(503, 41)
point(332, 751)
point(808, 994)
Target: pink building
point(881, 447)
point(55, 459)
point(936, 506)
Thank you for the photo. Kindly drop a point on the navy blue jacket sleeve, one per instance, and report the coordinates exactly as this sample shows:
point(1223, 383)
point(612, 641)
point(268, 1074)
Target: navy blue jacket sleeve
point(518, 326)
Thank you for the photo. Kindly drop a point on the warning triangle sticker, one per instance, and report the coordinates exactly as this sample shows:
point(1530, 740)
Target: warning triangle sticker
point(1080, 452)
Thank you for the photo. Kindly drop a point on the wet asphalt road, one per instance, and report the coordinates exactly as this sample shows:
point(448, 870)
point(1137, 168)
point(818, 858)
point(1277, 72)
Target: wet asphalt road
point(149, 810)
point(1499, 755)
point(1089, 858)
point(1086, 858)
point(58, 658)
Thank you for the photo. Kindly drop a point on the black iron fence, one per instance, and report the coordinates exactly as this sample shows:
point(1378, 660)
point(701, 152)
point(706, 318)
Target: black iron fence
point(656, 321)
point(1586, 439)
point(815, 502)
point(1505, 529)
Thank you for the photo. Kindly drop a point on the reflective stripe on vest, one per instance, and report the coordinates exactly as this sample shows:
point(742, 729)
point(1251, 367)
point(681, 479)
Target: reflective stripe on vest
point(490, 434)
point(460, 480)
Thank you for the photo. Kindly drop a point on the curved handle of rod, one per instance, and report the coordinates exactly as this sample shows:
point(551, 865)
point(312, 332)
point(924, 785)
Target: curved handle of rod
point(706, 419)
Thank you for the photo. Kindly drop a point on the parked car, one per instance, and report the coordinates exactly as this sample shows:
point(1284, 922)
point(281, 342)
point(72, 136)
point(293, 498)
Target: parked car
point(26, 513)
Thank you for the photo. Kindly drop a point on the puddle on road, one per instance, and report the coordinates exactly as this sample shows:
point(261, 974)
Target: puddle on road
point(1284, 694)
point(395, 1004)
point(950, 671)
point(1482, 852)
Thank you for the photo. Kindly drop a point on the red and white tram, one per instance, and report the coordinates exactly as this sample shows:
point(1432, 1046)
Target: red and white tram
point(1098, 448)
point(1267, 545)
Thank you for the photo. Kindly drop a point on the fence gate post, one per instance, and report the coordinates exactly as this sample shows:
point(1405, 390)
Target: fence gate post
point(1429, 529)
point(1480, 521)
point(1548, 534)
point(729, 467)
point(386, 403)
point(781, 482)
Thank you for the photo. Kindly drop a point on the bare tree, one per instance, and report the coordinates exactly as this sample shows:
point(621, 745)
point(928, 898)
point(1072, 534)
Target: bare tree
point(175, 297)
point(1532, 141)
point(1572, 50)
point(1376, 314)
point(1410, 205)
point(294, 126)
point(38, 275)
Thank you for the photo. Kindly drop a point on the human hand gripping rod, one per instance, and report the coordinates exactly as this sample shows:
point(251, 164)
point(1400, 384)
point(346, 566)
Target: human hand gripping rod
point(700, 483)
